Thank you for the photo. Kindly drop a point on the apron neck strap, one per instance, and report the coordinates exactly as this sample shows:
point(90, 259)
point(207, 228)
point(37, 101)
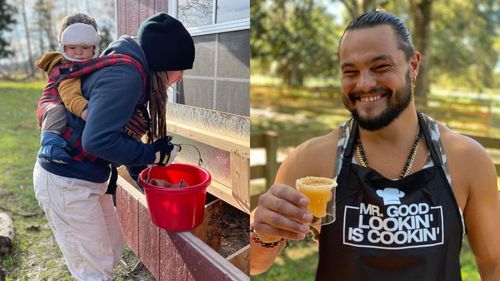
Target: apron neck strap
point(349, 150)
point(428, 140)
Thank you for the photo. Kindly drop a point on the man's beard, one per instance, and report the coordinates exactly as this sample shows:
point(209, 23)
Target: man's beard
point(391, 112)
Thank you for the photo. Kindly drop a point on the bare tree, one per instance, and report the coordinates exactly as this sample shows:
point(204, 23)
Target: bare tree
point(46, 17)
point(31, 64)
point(421, 13)
point(39, 15)
point(48, 24)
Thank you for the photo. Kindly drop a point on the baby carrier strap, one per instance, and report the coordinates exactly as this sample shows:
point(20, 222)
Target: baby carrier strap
point(72, 70)
point(50, 94)
point(139, 124)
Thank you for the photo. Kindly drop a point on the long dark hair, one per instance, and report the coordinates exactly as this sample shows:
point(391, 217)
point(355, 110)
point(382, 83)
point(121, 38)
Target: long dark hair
point(158, 106)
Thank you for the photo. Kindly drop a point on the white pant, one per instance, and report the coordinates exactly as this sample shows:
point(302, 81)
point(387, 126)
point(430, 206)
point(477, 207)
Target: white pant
point(84, 222)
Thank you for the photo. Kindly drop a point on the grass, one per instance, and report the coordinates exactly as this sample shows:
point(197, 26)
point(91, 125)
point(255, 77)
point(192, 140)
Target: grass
point(298, 262)
point(35, 255)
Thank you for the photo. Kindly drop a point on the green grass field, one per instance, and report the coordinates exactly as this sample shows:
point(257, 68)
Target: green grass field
point(35, 255)
point(298, 262)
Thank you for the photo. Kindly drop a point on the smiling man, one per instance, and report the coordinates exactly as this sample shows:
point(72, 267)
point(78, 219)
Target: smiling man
point(408, 187)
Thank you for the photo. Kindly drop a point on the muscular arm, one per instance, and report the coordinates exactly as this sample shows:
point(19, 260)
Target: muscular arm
point(282, 210)
point(475, 184)
point(71, 94)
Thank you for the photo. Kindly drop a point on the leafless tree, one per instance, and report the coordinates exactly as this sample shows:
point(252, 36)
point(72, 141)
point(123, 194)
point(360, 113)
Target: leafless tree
point(31, 64)
point(421, 14)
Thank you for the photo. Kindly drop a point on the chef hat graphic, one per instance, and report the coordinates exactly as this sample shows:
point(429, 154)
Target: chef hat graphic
point(391, 195)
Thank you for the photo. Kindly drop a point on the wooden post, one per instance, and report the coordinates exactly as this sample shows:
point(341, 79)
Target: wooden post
point(489, 121)
point(281, 91)
point(240, 171)
point(271, 141)
point(6, 233)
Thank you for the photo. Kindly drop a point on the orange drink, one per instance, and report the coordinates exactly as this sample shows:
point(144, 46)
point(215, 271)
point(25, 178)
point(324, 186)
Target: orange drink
point(319, 192)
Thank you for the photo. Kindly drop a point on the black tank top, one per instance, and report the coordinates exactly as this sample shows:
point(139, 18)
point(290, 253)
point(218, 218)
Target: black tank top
point(406, 229)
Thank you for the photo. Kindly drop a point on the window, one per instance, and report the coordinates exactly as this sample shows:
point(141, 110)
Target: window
point(193, 13)
point(229, 10)
point(220, 78)
point(213, 16)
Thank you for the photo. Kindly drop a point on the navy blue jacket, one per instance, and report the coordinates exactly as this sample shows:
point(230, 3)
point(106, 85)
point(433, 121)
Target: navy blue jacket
point(113, 93)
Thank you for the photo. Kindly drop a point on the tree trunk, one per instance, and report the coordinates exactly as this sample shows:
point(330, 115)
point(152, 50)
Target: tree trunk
point(41, 43)
point(286, 75)
point(6, 233)
point(368, 5)
point(49, 30)
point(352, 8)
point(31, 64)
point(421, 14)
point(297, 78)
point(357, 7)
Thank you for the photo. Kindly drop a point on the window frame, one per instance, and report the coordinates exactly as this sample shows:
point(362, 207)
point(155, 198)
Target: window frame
point(212, 28)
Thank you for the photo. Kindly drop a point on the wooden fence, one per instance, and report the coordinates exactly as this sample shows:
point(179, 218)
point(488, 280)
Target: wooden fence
point(470, 117)
point(271, 141)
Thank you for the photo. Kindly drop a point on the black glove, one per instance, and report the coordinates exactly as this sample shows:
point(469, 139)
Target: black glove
point(165, 150)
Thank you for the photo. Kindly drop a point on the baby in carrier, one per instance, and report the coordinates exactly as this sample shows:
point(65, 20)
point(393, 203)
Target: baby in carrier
point(78, 42)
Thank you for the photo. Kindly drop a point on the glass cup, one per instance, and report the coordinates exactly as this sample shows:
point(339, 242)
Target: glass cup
point(321, 194)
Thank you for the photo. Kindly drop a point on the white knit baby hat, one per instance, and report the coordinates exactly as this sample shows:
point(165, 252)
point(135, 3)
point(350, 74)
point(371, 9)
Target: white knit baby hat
point(79, 34)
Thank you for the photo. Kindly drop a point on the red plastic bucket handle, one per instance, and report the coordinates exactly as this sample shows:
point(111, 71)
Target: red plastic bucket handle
point(180, 145)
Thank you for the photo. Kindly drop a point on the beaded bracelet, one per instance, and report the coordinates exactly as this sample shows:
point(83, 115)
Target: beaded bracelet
point(257, 240)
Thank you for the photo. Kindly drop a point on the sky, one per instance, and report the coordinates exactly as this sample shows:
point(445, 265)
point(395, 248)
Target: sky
point(103, 11)
point(336, 9)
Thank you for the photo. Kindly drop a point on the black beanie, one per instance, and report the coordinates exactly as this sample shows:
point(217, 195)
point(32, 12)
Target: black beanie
point(166, 43)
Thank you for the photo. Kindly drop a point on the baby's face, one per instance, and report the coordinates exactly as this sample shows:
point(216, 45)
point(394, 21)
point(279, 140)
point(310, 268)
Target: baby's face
point(80, 52)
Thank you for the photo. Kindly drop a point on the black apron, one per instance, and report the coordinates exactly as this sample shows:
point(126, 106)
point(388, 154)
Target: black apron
point(406, 229)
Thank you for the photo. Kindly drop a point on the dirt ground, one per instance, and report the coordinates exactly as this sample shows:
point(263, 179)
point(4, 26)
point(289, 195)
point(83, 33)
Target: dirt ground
point(235, 230)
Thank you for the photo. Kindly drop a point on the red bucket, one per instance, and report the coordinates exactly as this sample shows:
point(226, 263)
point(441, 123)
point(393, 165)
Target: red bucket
point(176, 209)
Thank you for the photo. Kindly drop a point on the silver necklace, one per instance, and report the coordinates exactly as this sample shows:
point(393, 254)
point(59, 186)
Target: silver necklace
point(409, 162)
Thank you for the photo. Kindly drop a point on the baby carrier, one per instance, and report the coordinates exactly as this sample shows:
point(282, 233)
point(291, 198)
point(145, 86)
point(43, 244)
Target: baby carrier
point(136, 127)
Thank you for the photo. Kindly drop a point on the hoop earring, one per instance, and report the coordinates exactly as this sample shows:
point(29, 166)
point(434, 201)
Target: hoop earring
point(413, 84)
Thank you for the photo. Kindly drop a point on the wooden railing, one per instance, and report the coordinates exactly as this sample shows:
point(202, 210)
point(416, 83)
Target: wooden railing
point(271, 141)
point(239, 152)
